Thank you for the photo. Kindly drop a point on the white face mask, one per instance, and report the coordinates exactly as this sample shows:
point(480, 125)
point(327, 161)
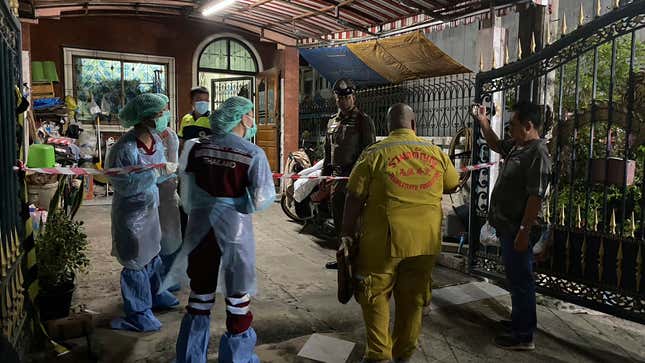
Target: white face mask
point(202, 107)
point(250, 132)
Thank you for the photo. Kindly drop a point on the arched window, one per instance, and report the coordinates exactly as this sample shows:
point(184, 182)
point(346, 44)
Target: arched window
point(227, 55)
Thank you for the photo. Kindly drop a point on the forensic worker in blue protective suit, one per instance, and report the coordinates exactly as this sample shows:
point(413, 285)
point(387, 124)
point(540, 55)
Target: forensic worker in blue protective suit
point(136, 233)
point(226, 178)
point(169, 216)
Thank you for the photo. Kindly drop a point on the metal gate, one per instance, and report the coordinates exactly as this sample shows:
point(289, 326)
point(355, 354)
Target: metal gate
point(594, 81)
point(225, 88)
point(16, 319)
point(441, 103)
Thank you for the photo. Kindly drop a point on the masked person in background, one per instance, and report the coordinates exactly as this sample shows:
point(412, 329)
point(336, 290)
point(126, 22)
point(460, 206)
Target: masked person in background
point(224, 178)
point(169, 216)
point(196, 123)
point(136, 233)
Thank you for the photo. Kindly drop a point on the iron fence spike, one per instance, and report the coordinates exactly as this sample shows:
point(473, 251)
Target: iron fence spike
point(548, 210)
point(595, 225)
point(563, 28)
point(548, 34)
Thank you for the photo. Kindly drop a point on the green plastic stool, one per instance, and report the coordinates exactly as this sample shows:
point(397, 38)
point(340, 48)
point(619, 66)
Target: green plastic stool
point(41, 156)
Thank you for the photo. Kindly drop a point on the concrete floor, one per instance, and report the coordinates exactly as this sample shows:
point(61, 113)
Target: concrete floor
point(297, 298)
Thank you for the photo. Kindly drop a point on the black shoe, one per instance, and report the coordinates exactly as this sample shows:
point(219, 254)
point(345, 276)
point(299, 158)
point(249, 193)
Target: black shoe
point(510, 343)
point(507, 325)
point(331, 265)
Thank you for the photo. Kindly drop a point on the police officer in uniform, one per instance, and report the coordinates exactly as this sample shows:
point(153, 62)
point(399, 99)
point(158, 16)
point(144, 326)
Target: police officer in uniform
point(348, 133)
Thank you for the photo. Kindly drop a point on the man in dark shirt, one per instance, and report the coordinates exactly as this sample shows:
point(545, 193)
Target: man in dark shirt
point(514, 207)
point(348, 133)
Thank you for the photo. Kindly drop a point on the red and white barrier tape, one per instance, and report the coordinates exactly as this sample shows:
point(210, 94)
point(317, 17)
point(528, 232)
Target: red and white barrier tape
point(463, 169)
point(91, 171)
point(296, 177)
point(60, 140)
point(140, 168)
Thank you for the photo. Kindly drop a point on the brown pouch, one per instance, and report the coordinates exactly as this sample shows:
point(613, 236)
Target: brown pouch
point(345, 274)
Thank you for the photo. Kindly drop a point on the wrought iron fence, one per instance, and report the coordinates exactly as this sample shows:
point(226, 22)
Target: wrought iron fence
point(441, 105)
point(15, 321)
point(594, 80)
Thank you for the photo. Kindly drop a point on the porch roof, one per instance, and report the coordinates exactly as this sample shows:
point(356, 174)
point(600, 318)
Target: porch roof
point(284, 21)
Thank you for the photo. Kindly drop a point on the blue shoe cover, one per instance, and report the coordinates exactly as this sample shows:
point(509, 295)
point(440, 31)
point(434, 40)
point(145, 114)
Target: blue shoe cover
point(192, 342)
point(238, 348)
point(165, 300)
point(139, 322)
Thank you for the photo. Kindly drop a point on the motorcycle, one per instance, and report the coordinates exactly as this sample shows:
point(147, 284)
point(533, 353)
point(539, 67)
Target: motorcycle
point(306, 199)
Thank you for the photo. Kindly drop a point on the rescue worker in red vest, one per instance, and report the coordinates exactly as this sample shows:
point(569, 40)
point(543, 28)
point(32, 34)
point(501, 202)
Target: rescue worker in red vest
point(348, 133)
point(196, 124)
point(395, 190)
point(226, 178)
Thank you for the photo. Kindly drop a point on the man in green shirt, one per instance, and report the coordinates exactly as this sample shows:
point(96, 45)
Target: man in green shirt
point(514, 207)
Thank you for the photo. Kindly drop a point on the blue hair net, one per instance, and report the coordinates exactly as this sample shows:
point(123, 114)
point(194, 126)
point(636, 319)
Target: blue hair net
point(229, 114)
point(142, 107)
point(163, 97)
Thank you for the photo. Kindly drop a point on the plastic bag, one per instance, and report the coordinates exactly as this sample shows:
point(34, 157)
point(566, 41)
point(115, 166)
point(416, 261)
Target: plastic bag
point(488, 236)
point(87, 143)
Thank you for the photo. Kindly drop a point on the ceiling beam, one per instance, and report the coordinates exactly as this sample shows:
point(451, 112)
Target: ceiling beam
point(271, 35)
point(324, 11)
point(156, 3)
point(80, 10)
point(258, 3)
point(430, 12)
point(106, 10)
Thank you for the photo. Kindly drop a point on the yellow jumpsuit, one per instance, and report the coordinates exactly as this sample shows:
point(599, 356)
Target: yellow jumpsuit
point(402, 179)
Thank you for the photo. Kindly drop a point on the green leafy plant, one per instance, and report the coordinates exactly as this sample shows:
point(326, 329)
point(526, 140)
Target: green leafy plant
point(585, 85)
point(61, 250)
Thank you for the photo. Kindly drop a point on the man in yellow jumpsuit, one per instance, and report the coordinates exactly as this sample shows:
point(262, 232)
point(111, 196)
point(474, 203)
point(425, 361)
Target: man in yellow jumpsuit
point(395, 189)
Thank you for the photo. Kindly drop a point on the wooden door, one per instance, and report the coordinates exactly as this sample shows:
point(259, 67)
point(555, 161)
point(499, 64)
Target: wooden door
point(267, 115)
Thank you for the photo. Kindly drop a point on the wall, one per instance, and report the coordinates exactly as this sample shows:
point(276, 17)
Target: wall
point(171, 37)
point(291, 75)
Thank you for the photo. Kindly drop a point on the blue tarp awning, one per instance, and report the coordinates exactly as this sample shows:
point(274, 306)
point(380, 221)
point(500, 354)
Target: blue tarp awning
point(339, 62)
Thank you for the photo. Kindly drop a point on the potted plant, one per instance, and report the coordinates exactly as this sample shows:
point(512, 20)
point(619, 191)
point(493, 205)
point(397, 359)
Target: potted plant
point(61, 252)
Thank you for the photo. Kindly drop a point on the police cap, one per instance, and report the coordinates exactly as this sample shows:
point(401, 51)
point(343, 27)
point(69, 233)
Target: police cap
point(344, 87)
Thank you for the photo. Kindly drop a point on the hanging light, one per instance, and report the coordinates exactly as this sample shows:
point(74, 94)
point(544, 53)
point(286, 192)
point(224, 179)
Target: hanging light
point(216, 6)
